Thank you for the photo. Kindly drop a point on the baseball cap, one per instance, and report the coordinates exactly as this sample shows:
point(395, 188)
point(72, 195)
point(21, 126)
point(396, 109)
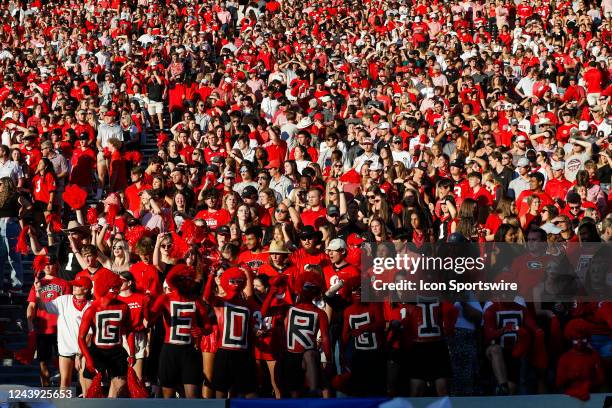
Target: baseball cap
point(223, 230)
point(523, 162)
point(558, 165)
point(521, 138)
point(375, 166)
point(249, 192)
point(367, 140)
point(422, 165)
point(383, 125)
point(336, 244)
point(229, 174)
point(551, 228)
point(332, 210)
point(514, 121)
point(397, 139)
point(81, 281)
point(110, 113)
point(274, 164)
point(457, 163)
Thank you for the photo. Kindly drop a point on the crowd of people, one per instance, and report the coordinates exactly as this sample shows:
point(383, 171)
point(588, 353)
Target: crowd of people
point(292, 137)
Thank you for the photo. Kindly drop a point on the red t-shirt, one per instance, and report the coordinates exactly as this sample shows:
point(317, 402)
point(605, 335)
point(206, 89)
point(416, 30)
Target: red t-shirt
point(253, 260)
point(51, 287)
point(132, 196)
point(310, 217)
point(138, 303)
point(214, 219)
point(43, 187)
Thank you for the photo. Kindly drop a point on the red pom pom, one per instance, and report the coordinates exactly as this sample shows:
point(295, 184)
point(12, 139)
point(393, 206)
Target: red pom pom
point(135, 234)
point(92, 216)
point(39, 263)
point(75, 196)
point(135, 157)
point(54, 222)
point(95, 389)
point(177, 273)
point(350, 176)
point(26, 355)
point(191, 233)
point(162, 139)
point(121, 224)
point(111, 214)
point(22, 241)
point(105, 280)
point(136, 387)
point(179, 247)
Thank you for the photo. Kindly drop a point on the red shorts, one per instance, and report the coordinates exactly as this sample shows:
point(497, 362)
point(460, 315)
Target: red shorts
point(209, 343)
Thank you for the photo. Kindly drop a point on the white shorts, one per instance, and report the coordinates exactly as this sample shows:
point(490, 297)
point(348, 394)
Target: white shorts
point(155, 108)
point(140, 343)
point(592, 98)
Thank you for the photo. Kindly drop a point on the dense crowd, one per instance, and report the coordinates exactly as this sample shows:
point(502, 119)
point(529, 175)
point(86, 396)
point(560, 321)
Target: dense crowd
point(293, 137)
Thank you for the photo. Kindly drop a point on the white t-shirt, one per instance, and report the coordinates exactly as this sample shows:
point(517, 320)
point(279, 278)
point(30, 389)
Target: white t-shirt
point(68, 322)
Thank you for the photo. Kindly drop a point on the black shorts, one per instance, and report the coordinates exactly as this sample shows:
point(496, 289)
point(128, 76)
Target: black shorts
point(430, 361)
point(46, 347)
point(291, 371)
point(513, 365)
point(368, 373)
point(110, 362)
point(178, 365)
point(234, 370)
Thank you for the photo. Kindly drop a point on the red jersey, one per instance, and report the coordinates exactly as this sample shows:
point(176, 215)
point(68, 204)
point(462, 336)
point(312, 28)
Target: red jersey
point(334, 273)
point(271, 271)
point(137, 303)
point(51, 287)
point(235, 321)
point(558, 188)
point(521, 201)
point(301, 257)
point(181, 315)
point(43, 187)
point(429, 321)
point(396, 311)
point(132, 196)
point(269, 327)
point(302, 324)
point(502, 321)
point(310, 217)
point(214, 219)
point(108, 324)
point(253, 260)
point(365, 323)
point(146, 278)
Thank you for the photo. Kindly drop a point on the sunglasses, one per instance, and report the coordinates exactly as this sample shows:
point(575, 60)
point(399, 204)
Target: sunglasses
point(278, 210)
point(236, 281)
point(166, 246)
point(371, 197)
point(118, 247)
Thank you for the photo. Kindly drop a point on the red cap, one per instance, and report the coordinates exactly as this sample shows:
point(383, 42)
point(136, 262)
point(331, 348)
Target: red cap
point(82, 281)
point(110, 113)
point(318, 116)
point(220, 103)
point(274, 164)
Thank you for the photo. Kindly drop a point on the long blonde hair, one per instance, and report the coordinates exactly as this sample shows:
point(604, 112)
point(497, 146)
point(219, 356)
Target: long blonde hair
point(7, 191)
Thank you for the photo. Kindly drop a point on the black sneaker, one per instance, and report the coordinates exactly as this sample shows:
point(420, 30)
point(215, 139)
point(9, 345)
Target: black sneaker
point(502, 389)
